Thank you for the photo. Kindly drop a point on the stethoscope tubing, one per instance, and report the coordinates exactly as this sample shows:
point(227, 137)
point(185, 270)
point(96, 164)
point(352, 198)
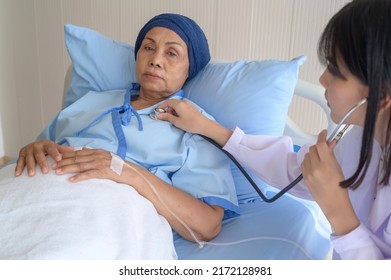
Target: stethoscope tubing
point(251, 181)
point(336, 135)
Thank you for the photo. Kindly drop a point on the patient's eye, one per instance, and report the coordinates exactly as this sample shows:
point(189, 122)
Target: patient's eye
point(172, 53)
point(148, 48)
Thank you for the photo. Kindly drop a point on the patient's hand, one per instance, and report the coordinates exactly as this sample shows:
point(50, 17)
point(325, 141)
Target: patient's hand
point(95, 164)
point(87, 164)
point(35, 153)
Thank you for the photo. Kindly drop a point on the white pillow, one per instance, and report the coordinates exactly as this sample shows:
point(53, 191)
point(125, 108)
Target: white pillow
point(254, 95)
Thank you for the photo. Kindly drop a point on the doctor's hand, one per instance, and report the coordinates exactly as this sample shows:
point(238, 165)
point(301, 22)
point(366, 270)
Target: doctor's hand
point(322, 174)
point(183, 115)
point(35, 153)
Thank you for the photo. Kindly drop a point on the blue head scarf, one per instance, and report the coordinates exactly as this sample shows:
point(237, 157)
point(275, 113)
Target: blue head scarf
point(189, 31)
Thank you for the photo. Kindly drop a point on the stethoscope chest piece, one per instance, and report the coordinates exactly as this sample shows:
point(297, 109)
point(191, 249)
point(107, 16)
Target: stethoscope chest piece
point(156, 112)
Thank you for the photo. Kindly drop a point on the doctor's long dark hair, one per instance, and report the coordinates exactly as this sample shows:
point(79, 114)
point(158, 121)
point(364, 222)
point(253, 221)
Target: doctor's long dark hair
point(361, 34)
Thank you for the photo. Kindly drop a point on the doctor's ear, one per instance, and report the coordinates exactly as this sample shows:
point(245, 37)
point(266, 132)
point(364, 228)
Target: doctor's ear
point(385, 103)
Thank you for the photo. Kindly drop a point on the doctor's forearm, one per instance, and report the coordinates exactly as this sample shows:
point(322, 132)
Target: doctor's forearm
point(215, 131)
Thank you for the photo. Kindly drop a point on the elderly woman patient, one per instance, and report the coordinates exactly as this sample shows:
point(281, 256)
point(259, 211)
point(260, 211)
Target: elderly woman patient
point(186, 179)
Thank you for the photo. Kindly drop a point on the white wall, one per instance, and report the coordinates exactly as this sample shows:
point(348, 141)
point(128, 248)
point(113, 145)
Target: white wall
point(34, 59)
point(7, 83)
point(2, 72)
point(2, 153)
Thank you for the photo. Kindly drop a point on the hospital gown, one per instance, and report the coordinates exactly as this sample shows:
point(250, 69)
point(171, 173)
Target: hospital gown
point(48, 217)
point(272, 159)
point(184, 160)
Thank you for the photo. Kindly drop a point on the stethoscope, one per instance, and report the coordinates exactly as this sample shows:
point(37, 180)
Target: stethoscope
point(336, 135)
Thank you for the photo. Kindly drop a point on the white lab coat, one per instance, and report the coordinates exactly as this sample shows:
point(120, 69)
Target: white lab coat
point(272, 158)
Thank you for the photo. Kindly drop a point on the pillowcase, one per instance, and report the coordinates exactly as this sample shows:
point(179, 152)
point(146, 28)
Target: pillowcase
point(99, 63)
point(253, 95)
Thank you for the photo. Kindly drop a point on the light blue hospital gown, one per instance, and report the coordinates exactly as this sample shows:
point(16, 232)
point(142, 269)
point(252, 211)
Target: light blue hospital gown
point(181, 159)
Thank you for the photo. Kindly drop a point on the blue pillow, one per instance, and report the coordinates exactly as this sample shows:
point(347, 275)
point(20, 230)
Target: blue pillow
point(99, 63)
point(254, 95)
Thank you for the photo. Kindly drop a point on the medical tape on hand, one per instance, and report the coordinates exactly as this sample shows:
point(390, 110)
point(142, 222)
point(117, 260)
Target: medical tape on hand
point(116, 164)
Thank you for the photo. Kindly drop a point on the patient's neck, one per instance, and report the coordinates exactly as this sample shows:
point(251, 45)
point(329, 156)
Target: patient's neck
point(139, 102)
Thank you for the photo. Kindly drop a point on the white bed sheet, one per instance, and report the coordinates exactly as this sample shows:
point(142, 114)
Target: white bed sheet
point(47, 217)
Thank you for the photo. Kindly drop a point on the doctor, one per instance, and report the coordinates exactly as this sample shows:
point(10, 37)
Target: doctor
point(350, 181)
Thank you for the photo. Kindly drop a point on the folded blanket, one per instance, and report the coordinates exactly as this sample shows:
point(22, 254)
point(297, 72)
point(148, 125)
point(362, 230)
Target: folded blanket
point(47, 217)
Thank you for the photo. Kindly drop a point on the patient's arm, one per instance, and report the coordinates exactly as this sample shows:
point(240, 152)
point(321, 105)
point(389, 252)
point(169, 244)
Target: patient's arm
point(203, 219)
point(35, 153)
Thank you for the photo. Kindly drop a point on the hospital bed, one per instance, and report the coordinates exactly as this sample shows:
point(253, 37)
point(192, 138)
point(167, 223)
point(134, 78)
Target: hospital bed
point(289, 228)
point(254, 95)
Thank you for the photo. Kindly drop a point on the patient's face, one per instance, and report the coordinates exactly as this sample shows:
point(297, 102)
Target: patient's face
point(162, 65)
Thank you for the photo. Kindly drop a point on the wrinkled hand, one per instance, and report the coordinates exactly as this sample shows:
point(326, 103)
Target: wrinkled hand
point(87, 164)
point(35, 153)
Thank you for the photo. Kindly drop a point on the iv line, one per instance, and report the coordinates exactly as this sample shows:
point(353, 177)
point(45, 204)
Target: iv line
point(200, 243)
point(335, 135)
